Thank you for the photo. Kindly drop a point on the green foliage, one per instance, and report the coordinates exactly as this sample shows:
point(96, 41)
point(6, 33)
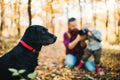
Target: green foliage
point(19, 73)
point(14, 72)
point(32, 76)
point(22, 79)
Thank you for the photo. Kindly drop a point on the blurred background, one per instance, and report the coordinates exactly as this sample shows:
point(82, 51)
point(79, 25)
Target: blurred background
point(17, 15)
point(104, 15)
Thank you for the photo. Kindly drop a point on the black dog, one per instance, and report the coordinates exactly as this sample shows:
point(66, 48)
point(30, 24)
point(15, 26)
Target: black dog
point(24, 55)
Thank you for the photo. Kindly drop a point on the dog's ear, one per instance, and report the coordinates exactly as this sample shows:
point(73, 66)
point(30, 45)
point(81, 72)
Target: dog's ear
point(32, 35)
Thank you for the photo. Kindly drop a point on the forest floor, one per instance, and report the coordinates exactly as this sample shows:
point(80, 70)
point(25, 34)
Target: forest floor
point(51, 63)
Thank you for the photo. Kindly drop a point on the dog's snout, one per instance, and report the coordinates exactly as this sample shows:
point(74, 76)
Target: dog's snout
point(54, 37)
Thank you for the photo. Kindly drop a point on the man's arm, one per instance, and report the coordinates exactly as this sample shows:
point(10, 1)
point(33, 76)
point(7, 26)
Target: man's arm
point(68, 44)
point(74, 42)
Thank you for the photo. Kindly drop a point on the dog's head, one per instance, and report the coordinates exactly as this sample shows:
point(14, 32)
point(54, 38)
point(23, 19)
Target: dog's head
point(39, 35)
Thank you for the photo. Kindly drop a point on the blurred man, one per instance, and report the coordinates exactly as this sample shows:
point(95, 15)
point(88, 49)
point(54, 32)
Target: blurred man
point(74, 43)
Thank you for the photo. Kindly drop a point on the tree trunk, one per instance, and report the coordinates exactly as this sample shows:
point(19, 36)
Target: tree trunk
point(94, 13)
point(116, 26)
point(119, 26)
point(29, 12)
point(18, 16)
point(2, 16)
point(107, 20)
point(106, 24)
point(67, 13)
point(80, 14)
point(52, 18)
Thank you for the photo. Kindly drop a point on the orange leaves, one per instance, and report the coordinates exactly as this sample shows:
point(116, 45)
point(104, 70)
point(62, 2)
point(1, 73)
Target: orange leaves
point(60, 79)
point(54, 7)
point(67, 1)
point(47, 9)
point(51, 64)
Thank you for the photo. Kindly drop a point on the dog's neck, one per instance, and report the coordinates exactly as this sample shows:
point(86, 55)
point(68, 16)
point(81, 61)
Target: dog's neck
point(29, 45)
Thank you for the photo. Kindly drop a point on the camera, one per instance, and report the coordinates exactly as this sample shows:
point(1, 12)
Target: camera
point(83, 31)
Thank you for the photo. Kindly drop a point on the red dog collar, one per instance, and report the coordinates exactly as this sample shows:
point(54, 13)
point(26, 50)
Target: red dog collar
point(28, 47)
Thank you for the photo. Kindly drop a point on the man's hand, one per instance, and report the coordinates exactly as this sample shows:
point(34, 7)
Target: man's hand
point(89, 34)
point(78, 38)
point(83, 32)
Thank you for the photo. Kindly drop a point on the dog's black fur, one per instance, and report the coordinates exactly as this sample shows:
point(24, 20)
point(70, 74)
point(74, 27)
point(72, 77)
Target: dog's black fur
point(20, 57)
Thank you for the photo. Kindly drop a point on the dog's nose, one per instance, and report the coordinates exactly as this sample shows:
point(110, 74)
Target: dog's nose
point(54, 37)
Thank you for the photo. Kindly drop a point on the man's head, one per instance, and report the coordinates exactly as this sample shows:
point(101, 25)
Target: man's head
point(72, 24)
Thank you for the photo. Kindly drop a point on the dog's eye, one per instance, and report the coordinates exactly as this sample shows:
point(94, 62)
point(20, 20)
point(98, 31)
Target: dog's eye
point(43, 31)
